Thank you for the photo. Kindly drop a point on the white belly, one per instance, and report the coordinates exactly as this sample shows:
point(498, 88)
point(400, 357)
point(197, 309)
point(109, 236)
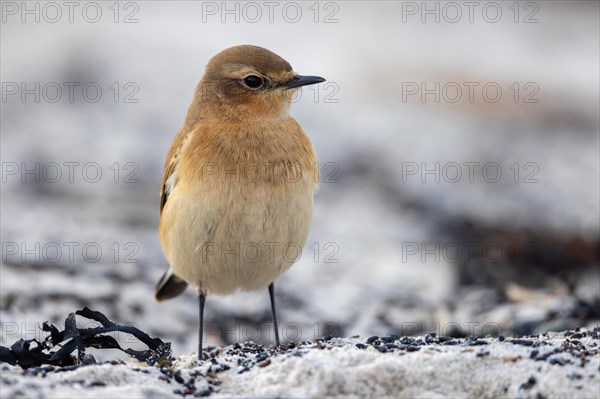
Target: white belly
point(235, 235)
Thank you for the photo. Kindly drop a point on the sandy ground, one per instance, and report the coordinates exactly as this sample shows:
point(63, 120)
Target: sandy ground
point(554, 365)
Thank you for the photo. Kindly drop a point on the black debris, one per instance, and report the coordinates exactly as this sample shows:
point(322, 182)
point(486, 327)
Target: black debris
point(476, 342)
point(529, 384)
point(524, 342)
point(372, 339)
point(390, 338)
point(558, 360)
point(33, 353)
point(382, 348)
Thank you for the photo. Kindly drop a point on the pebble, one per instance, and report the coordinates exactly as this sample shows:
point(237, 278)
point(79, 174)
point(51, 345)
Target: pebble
point(372, 339)
point(559, 361)
point(524, 342)
point(529, 384)
point(390, 338)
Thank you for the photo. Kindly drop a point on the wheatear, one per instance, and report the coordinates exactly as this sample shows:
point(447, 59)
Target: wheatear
point(237, 190)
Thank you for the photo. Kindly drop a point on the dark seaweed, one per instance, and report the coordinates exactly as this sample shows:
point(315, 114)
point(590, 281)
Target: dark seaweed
point(33, 353)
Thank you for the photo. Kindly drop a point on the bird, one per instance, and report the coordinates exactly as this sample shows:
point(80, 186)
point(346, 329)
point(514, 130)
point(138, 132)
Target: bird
point(238, 186)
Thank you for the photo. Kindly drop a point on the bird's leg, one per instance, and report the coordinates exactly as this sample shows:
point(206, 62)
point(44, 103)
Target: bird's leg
point(201, 299)
point(272, 296)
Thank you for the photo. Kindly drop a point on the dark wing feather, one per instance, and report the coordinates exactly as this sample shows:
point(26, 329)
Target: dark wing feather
point(170, 174)
point(169, 286)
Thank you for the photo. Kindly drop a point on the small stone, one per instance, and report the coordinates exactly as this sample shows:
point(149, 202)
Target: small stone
point(372, 339)
point(88, 358)
point(529, 384)
point(558, 360)
point(261, 356)
point(390, 338)
point(178, 377)
point(203, 392)
point(524, 342)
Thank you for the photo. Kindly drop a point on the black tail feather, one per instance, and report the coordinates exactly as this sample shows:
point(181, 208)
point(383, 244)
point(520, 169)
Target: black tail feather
point(169, 286)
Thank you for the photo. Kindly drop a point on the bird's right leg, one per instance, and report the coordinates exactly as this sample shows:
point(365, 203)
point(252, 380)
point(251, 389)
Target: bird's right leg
point(201, 300)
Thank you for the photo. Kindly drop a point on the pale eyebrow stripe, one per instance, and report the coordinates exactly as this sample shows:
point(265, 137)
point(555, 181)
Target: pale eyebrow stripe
point(240, 70)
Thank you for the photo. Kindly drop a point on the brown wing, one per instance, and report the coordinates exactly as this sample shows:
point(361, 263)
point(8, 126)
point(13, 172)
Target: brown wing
point(170, 174)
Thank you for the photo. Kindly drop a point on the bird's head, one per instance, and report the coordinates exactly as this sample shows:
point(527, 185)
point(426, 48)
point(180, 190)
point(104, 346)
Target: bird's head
point(248, 82)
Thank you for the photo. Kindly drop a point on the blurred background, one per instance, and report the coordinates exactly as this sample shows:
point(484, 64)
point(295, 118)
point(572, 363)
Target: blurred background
point(458, 148)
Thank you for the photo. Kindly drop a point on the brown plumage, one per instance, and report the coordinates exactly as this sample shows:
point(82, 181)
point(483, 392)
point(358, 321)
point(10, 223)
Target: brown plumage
point(237, 191)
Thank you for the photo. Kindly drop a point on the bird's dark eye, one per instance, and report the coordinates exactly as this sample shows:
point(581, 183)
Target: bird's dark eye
point(253, 82)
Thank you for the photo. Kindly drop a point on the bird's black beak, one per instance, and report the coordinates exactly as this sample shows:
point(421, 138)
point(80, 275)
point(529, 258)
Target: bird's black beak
point(300, 80)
